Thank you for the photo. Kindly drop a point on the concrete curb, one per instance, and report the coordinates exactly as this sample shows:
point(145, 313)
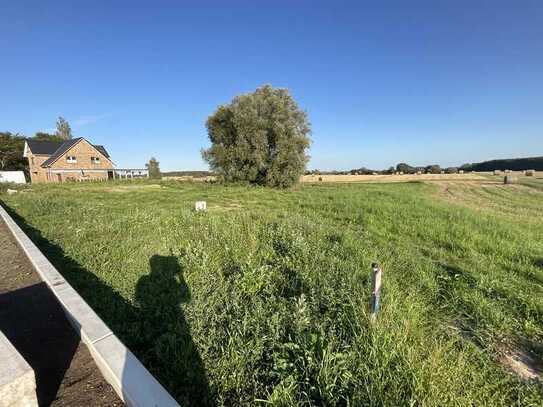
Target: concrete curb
point(128, 377)
point(17, 381)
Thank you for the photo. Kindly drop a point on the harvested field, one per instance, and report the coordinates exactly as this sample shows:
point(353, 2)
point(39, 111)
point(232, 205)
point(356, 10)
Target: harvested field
point(394, 178)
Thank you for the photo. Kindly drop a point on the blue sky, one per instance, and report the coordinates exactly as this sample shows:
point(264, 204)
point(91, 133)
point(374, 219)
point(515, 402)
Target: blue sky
point(443, 82)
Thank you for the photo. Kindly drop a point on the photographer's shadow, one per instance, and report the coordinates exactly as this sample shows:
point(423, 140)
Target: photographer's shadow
point(165, 341)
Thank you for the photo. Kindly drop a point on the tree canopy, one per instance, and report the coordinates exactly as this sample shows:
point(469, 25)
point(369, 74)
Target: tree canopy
point(260, 138)
point(40, 135)
point(11, 152)
point(154, 168)
point(64, 131)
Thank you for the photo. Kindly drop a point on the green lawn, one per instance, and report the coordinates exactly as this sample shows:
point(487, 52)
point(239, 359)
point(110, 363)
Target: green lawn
point(264, 298)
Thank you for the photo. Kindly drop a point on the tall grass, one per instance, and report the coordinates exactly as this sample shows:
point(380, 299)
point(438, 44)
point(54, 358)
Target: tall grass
point(276, 287)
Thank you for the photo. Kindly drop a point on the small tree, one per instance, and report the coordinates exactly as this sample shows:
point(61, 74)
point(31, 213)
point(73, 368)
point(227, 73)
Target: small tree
point(64, 131)
point(153, 166)
point(260, 137)
point(11, 152)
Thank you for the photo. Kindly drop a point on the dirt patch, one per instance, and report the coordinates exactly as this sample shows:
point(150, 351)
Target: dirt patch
point(33, 321)
point(521, 362)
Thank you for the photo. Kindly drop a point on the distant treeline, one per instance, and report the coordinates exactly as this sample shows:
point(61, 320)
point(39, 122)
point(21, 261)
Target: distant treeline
point(514, 164)
point(197, 174)
point(400, 168)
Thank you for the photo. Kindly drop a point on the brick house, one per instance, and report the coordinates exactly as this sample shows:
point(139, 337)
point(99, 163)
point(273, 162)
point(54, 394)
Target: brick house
point(71, 160)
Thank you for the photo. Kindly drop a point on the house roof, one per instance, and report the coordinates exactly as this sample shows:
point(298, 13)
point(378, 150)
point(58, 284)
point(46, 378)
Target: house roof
point(65, 146)
point(43, 146)
point(56, 148)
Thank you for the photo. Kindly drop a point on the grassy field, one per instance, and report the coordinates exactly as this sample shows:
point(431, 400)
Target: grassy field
point(264, 298)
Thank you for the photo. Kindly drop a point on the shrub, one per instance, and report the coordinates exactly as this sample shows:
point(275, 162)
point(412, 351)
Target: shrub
point(433, 169)
point(404, 168)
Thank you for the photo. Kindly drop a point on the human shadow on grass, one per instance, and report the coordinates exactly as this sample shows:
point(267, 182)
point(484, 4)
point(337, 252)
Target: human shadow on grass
point(166, 334)
point(154, 328)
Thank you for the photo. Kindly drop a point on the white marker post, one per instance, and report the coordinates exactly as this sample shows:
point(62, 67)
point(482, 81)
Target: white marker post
point(375, 290)
point(200, 206)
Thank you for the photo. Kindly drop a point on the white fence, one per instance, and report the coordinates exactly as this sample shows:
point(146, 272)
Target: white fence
point(17, 177)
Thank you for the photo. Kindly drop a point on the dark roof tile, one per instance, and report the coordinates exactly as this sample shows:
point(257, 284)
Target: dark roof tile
point(102, 149)
point(56, 148)
point(44, 147)
point(65, 146)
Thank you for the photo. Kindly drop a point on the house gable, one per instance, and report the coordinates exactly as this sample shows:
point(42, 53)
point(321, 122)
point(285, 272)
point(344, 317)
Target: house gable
point(87, 157)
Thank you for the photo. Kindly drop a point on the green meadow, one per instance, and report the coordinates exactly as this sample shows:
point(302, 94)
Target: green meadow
point(264, 298)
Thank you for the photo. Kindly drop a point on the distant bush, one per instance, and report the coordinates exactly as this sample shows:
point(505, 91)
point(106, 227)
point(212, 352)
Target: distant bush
point(406, 168)
point(433, 169)
point(361, 171)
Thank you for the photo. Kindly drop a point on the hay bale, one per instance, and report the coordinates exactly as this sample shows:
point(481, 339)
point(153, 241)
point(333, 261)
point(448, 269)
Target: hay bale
point(529, 173)
point(460, 171)
point(419, 172)
point(510, 179)
point(497, 172)
point(320, 179)
point(507, 171)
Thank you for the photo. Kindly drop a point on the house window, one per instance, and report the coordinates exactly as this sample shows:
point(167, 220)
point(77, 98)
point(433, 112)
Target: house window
point(71, 159)
point(95, 160)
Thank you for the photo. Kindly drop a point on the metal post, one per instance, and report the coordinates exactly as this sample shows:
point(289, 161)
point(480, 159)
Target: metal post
point(375, 290)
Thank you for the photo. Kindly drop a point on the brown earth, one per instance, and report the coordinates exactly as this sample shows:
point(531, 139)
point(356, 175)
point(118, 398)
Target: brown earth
point(33, 321)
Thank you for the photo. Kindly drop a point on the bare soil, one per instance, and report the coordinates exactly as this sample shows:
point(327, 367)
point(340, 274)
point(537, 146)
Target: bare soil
point(33, 321)
point(521, 362)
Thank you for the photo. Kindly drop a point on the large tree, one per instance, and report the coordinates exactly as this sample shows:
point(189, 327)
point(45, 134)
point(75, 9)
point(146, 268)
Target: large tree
point(260, 137)
point(64, 131)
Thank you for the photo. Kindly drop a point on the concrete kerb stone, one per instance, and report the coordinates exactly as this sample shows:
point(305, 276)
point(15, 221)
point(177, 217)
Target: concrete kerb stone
point(129, 378)
point(17, 380)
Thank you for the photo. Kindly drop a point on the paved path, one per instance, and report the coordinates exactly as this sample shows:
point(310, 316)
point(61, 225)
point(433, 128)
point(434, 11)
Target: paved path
point(32, 319)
